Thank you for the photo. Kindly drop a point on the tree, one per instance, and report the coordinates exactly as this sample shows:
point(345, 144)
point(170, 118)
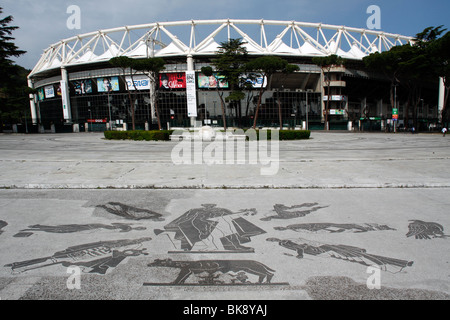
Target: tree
point(441, 55)
point(230, 65)
point(326, 64)
point(438, 51)
point(289, 68)
point(126, 65)
point(7, 48)
point(387, 64)
point(267, 66)
point(13, 85)
point(416, 70)
point(232, 56)
point(413, 65)
point(152, 67)
point(208, 71)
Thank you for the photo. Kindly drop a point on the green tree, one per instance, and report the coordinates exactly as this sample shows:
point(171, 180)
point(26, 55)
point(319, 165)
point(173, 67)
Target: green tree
point(7, 48)
point(438, 50)
point(209, 72)
point(267, 66)
point(387, 64)
point(126, 65)
point(232, 56)
point(152, 67)
point(326, 64)
point(230, 65)
point(414, 65)
point(13, 78)
point(289, 68)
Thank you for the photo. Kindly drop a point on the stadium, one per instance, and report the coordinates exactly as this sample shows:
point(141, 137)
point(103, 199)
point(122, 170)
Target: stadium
point(79, 90)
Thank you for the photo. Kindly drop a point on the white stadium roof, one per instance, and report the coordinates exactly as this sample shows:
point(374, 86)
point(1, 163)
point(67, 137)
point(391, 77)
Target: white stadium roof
point(202, 38)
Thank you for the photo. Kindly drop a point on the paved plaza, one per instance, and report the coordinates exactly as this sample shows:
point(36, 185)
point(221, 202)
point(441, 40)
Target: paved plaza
point(343, 216)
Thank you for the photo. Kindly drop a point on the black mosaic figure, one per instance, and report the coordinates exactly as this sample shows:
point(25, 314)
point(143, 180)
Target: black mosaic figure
point(197, 225)
point(334, 227)
point(131, 213)
point(212, 267)
point(344, 252)
point(425, 230)
point(72, 228)
point(285, 212)
point(97, 257)
point(2, 225)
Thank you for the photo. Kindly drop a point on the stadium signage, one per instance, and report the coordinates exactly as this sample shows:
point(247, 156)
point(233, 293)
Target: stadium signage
point(96, 120)
point(395, 113)
point(335, 98)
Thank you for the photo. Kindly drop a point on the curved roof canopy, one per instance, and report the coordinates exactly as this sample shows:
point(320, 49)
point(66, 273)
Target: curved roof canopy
point(203, 38)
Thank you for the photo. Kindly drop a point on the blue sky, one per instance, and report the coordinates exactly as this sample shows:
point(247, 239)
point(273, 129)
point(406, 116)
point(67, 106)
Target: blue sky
point(43, 22)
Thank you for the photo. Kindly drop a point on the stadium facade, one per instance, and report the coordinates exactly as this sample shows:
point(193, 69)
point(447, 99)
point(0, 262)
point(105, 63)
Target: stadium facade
point(78, 90)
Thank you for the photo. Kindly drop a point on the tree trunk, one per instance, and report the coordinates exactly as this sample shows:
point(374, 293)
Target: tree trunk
point(153, 97)
point(222, 104)
point(133, 125)
point(157, 115)
point(280, 117)
point(123, 77)
point(261, 91)
point(133, 113)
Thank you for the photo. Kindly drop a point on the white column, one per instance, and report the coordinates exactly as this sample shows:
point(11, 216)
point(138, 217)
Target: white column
point(441, 98)
point(67, 112)
point(32, 103)
point(190, 63)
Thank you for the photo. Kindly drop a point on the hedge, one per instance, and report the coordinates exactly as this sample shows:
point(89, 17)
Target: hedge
point(288, 134)
point(164, 135)
point(139, 135)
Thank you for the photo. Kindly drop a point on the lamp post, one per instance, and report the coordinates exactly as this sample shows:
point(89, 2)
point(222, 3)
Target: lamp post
point(395, 106)
point(206, 116)
point(307, 111)
point(109, 110)
point(90, 122)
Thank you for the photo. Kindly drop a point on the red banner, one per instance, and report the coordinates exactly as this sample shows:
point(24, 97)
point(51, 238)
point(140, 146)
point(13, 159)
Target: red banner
point(172, 80)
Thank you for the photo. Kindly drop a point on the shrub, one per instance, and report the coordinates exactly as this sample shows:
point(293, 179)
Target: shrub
point(294, 134)
point(116, 135)
point(164, 135)
point(139, 135)
point(288, 134)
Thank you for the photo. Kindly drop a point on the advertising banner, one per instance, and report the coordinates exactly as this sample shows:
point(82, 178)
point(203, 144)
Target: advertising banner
point(41, 95)
point(82, 86)
point(172, 81)
point(257, 80)
point(141, 82)
point(108, 84)
point(211, 82)
point(49, 92)
point(191, 94)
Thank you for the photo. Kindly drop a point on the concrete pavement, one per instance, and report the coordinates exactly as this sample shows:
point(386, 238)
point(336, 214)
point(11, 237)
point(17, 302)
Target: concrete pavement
point(86, 218)
point(327, 160)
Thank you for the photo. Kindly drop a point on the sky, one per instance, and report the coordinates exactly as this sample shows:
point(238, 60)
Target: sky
point(44, 22)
